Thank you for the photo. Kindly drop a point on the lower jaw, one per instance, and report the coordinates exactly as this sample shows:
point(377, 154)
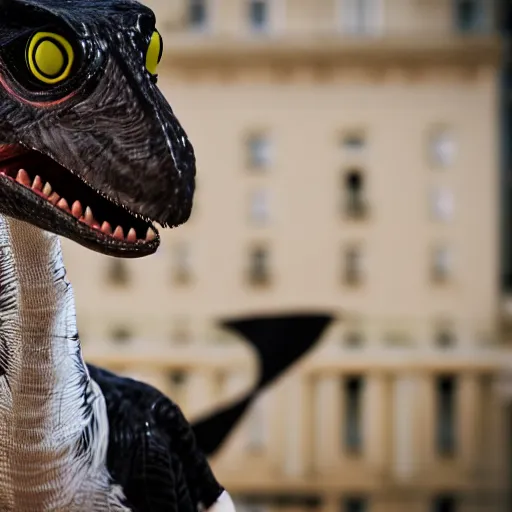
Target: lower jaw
point(23, 204)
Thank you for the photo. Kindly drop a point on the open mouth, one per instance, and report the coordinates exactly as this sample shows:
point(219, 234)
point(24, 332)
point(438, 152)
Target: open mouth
point(83, 209)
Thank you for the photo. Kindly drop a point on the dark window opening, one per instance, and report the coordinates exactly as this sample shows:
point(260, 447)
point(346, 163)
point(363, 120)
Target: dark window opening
point(177, 378)
point(353, 391)
point(259, 151)
point(444, 503)
point(197, 14)
point(353, 339)
point(121, 335)
point(354, 504)
point(258, 14)
point(352, 271)
point(259, 271)
point(446, 412)
point(354, 142)
point(445, 338)
point(118, 273)
point(354, 205)
point(468, 15)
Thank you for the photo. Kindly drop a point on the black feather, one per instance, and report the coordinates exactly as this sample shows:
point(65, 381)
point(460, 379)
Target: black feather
point(279, 341)
point(152, 451)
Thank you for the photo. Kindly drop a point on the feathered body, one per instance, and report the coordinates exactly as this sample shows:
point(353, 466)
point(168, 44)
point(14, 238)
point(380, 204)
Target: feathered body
point(50, 411)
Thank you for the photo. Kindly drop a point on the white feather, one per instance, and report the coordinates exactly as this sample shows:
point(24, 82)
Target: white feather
point(223, 504)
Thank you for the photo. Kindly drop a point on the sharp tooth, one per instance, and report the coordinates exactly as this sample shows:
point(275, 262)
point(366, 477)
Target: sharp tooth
point(37, 183)
point(23, 178)
point(77, 209)
point(88, 217)
point(54, 198)
point(47, 189)
point(118, 233)
point(63, 205)
point(131, 236)
point(106, 228)
point(151, 235)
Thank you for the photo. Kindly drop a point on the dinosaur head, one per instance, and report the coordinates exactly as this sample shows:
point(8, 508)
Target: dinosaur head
point(89, 147)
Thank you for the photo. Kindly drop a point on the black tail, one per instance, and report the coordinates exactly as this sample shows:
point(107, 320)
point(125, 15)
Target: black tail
point(279, 342)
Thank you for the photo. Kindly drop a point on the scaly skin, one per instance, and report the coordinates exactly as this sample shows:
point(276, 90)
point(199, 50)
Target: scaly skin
point(48, 405)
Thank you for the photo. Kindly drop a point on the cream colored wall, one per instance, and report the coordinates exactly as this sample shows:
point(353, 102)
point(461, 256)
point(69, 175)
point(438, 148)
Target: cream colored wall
point(306, 231)
point(433, 17)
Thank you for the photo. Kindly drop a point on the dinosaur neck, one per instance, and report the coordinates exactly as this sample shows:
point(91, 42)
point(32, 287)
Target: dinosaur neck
point(43, 372)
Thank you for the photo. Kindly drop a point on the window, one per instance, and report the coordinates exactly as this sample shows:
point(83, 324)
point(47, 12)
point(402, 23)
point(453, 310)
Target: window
point(353, 143)
point(259, 271)
point(120, 335)
point(117, 272)
point(445, 428)
point(354, 203)
point(197, 14)
point(442, 264)
point(469, 15)
point(442, 204)
point(181, 265)
point(442, 148)
point(258, 151)
point(352, 271)
point(360, 16)
point(353, 391)
point(353, 339)
point(354, 505)
point(445, 338)
point(259, 212)
point(444, 503)
point(258, 14)
point(177, 378)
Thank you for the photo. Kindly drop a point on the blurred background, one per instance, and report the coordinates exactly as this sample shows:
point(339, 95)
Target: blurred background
point(353, 157)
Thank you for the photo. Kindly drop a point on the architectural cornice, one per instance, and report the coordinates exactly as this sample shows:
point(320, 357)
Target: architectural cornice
point(213, 51)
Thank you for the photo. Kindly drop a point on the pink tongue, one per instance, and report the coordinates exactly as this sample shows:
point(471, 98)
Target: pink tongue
point(10, 151)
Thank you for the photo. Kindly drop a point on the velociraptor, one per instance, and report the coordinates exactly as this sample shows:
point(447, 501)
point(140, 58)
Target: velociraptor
point(90, 150)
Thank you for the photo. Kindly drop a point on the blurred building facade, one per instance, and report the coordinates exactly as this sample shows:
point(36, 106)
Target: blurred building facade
point(347, 161)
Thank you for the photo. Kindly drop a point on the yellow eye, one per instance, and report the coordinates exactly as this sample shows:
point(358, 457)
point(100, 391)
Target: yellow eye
point(154, 53)
point(49, 57)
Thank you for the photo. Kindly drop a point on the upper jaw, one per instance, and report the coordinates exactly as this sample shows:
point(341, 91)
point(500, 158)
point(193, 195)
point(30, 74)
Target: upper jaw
point(35, 189)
